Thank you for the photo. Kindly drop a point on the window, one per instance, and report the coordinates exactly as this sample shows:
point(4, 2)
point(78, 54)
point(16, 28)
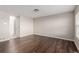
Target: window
point(77, 25)
point(12, 21)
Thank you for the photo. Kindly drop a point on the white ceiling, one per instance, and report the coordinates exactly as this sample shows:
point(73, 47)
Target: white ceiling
point(44, 10)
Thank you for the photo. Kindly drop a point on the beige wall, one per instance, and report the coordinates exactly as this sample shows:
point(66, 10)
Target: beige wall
point(26, 26)
point(59, 26)
point(23, 26)
point(4, 25)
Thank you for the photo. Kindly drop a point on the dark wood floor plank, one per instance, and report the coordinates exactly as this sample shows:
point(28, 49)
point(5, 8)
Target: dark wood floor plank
point(37, 44)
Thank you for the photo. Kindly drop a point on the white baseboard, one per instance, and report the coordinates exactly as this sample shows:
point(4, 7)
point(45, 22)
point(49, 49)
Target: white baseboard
point(9, 38)
point(76, 40)
point(25, 35)
point(2, 40)
point(36, 34)
point(57, 37)
point(77, 46)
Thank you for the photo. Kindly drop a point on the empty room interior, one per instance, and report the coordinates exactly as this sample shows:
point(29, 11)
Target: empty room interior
point(39, 28)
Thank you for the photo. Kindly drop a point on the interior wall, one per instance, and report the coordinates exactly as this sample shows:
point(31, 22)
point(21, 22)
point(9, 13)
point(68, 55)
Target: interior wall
point(23, 26)
point(76, 38)
point(4, 25)
point(26, 26)
point(58, 26)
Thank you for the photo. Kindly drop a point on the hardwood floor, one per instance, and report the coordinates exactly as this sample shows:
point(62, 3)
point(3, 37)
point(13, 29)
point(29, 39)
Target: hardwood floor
point(37, 44)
